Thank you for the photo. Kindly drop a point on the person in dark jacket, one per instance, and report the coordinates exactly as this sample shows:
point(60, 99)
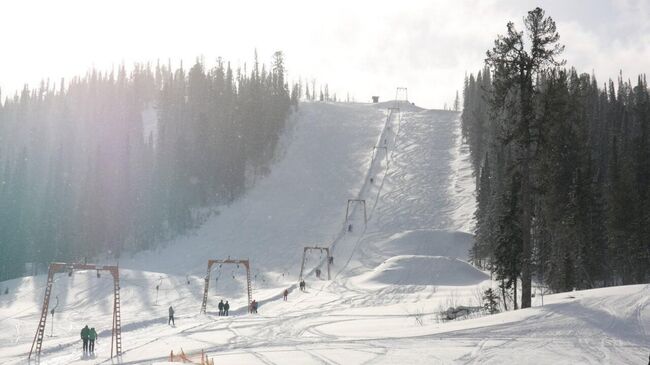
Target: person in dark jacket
point(226, 307)
point(221, 308)
point(285, 294)
point(171, 316)
point(85, 333)
point(92, 336)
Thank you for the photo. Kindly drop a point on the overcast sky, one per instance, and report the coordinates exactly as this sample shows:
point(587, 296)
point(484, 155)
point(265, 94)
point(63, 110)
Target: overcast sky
point(362, 47)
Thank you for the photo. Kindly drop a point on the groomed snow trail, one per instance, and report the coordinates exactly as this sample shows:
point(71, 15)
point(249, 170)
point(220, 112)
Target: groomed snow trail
point(393, 275)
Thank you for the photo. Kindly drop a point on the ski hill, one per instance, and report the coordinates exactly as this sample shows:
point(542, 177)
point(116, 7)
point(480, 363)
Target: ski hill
point(391, 194)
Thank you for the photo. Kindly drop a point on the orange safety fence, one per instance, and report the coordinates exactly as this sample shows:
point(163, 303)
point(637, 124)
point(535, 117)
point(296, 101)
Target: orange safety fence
point(184, 358)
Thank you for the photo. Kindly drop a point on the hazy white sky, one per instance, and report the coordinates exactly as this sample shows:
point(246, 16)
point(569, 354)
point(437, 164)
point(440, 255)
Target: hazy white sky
point(362, 47)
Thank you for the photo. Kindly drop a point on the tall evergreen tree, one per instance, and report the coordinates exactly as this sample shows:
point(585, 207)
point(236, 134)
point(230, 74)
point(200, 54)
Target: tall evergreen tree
point(516, 69)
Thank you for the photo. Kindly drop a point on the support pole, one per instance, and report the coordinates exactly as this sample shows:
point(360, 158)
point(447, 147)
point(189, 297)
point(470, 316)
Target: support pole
point(204, 303)
point(116, 336)
point(329, 276)
point(302, 265)
point(38, 337)
point(248, 285)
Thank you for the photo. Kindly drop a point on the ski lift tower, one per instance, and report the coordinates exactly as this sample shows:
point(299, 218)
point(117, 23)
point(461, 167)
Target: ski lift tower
point(401, 94)
point(315, 248)
point(58, 267)
point(249, 290)
point(356, 201)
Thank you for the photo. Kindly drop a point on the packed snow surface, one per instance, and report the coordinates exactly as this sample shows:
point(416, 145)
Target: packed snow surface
point(391, 277)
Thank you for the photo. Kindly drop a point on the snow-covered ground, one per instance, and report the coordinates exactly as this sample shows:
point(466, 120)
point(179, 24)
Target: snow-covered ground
point(391, 277)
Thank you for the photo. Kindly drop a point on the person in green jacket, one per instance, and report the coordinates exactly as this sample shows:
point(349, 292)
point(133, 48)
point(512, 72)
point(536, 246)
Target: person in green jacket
point(92, 336)
point(85, 332)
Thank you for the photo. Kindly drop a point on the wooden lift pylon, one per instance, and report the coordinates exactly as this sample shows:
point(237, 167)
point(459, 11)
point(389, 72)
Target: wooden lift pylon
point(321, 249)
point(404, 91)
point(347, 209)
point(249, 289)
point(58, 267)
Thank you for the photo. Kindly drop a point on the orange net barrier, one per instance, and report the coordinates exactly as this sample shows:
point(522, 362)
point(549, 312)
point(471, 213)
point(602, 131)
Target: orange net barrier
point(185, 358)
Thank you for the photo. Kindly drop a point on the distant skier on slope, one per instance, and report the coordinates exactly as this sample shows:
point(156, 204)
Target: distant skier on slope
point(171, 316)
point(85, 333)
point(92, 336)
point(318, 273)
point(221, 308)
point(254, 306)
point(226, 307)
point(302, 285)
point(285, 294)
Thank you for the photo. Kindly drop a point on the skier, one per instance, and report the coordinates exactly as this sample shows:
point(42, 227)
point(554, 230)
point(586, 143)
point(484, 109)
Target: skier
point(318, 273)
point(302, 285)
point(226, 307)
point(221, 308)
point(350, 228)
point(372, 180)
point(285, 294)
point(85, 332)
point(92, 336)
point(331, 260)
point(254, 306)
point(171, 316)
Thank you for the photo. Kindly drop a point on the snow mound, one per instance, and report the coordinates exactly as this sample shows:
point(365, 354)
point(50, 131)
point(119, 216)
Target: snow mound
point(405, 106)
point(426, 270)
point(427, 242)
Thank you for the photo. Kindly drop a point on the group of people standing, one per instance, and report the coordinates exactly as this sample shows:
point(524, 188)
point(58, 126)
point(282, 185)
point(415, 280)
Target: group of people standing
point(224, 308)
point(88, 337)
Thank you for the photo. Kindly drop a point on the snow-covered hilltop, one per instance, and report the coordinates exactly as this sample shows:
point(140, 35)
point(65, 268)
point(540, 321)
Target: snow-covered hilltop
point(392, 277)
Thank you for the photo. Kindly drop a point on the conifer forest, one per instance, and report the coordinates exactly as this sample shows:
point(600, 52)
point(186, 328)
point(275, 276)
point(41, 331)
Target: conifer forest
point(114, 161)
point(562, 167)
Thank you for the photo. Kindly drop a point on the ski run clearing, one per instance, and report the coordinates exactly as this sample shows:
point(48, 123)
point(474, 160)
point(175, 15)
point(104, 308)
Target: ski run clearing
point(391, 278)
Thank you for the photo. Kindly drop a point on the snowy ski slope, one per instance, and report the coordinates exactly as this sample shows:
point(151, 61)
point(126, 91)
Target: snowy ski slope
point(392, 276)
